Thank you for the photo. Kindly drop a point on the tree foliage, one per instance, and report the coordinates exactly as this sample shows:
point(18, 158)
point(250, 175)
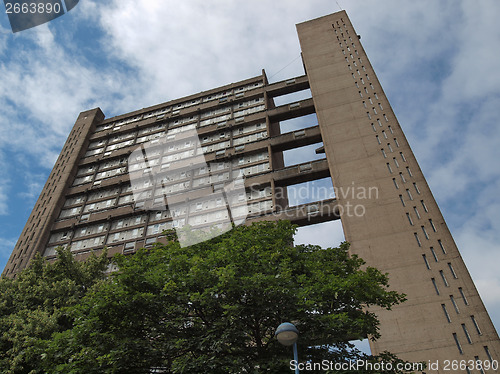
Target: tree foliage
point(212, 307)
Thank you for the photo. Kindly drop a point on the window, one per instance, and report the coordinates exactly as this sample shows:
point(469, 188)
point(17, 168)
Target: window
point(476, 326)
point(446, 313)
point(452, 270)
point(454, 304)
point(395, 183)
point(432, 225)
point(435, 285)
point(455, 337)
point(402, 177)
point(425, 232)
point(409, 171)
point(488, 353)
point(396, 142)
point(395, 162)
point(426, 262)
point(434, 254)
point(383, 153)
point(378, 139)
point(416, 188)
point(442, 246)
point(417, 239)
point(424, 206)
point(463, 295)
point(409, 218)
point(409, 194)
point(389, 168)
point(443, 278)
point(402, 156)
point(402, 201)
point(416, 212)
point(479, 364)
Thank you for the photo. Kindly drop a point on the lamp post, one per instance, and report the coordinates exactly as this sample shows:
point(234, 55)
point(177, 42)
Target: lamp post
point(287, 335)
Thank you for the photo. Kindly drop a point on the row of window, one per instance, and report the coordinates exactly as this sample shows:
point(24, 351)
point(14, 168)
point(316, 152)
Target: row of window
point(161, 112)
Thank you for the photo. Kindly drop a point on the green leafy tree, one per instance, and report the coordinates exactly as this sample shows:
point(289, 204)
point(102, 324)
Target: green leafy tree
point(36, 304)
point(214, 307)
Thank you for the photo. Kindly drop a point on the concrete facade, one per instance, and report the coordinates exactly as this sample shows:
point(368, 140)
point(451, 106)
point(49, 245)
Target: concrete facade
point(89, 202)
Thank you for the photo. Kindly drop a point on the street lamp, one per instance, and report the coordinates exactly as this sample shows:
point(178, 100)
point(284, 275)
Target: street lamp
point(287, 335)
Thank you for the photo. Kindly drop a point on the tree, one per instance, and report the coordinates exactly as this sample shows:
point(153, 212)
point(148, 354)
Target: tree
point(36, 304)
point(214, 307)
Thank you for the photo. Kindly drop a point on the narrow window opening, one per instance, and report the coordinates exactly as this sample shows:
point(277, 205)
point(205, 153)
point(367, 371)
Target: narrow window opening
point(434, 283)
point(389, 167)
point(395, 183)
point(452, 270)
point(390, 147)
point(390, 129)
point(434, 255)
point(444, 278)
point(424, 206)
point(378, 139)
point(402, 177)
point(466, 333)
point(479, 364)
point(426, 262)
point(417, 239)
point(383, 153)
point(476, 326)
point(396, 142)
point(373, 127)
point(416, 188)
point(379, 123)
point(402, 200)
point(360, 94)
point(458, 343)
point(383, 133)
point(396, 162)
point(446, 313)
point(409, 194)
point(416, 212)
point(442, 246)
point(432, 225)
point(463, 295)
point(371, 85)
point(409, 171)
point(364, 104)
point(454, 304)
point(425, 232)
point(402, 156)
point(409, 218)
point(488, 353)
point(380, 106)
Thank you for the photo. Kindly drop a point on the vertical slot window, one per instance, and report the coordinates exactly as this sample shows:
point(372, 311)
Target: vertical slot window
point(476, 326)
point(389, 168)
point(396, 142)
point(383, 153)
point(417, 239)
point(409, 218)
point(402, 156)
point(395, 183)
point(416, 212)
point(409, 194)
point(402, 177)
point(441, 246)
point(443, 277)
point(416, 188)
point(446, 313)
point(434, 254)
point(432, 225)
point(424, 206)
point(402, 200)
point(466, 333)
point(435, 285)
point(488, 353)
point(452, 270)
point(426, 262)
point(395, 162)
point(455, 337)
point(460, 289)
point(454, 304)
point(425, 232)
point(479, 364)
point(409, 171)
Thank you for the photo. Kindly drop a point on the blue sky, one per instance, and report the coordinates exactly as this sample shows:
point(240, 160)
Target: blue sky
point(437, 61)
